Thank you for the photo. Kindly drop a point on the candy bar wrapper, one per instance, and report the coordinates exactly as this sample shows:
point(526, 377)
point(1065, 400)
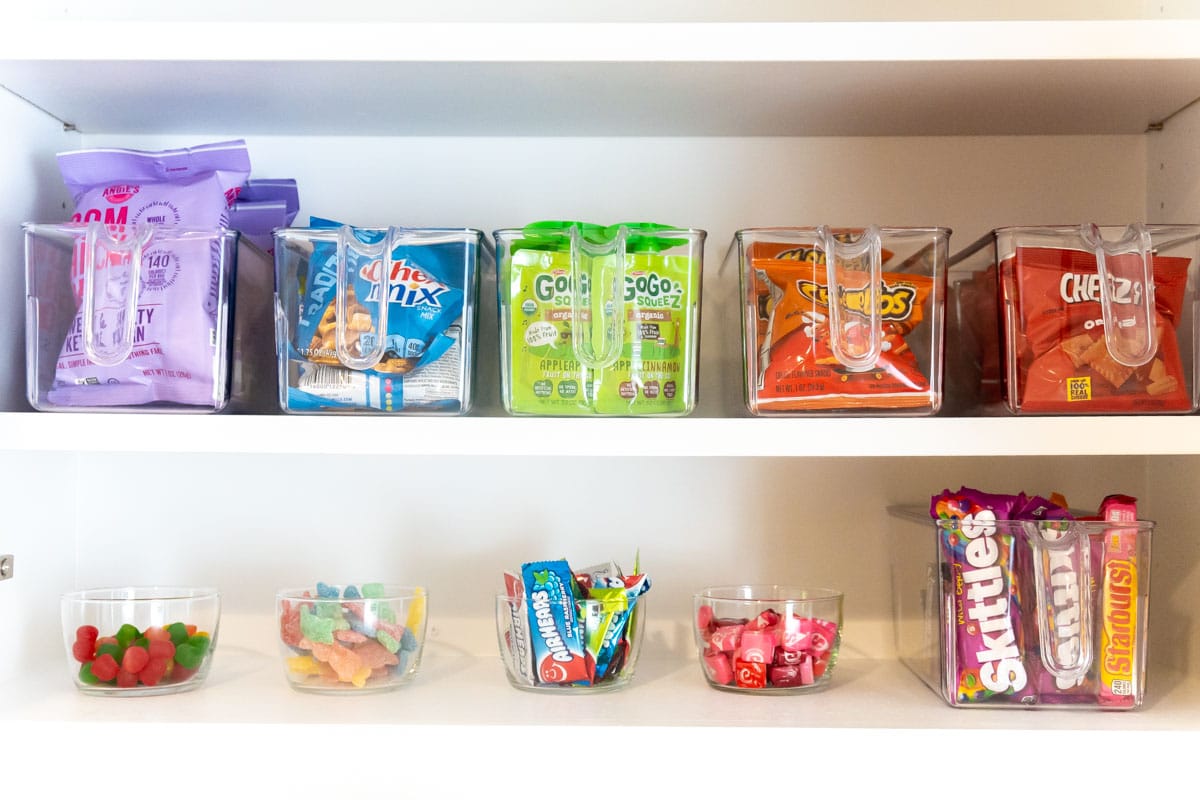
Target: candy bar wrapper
point(609, 611)
point(556, 632)
point(518, 631)
point(1061, 623)
point(986, 647)
point(1117, 648)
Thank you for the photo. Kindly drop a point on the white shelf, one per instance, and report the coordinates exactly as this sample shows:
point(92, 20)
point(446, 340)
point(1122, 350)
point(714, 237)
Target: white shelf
point(527, 436)
point(589, 79)
point(460, 709)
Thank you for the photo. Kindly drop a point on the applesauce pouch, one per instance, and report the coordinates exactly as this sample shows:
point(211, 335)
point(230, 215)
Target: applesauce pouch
point(654, 371)
point(546, 377)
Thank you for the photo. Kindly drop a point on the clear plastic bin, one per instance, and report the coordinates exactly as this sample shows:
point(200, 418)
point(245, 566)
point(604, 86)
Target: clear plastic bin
point(878, 351)
point(1012, 614)
point(94, 342)
point(636, 290)
point(1076, 319)
point(341, 350)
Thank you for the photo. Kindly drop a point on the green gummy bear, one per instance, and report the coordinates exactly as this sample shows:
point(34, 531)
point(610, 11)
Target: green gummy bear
point(85, 674)
point(314, 628)
point(188, 656)
point(374, 590)
point(126, 634)
point(388, 641)
point(178, 632)
point(384, 612)
point(329, 610)
point(113, 649)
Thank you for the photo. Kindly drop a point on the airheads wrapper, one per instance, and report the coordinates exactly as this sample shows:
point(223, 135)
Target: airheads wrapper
point(652, 371)
point(423, 360)
point(179, 294)
point(797, 367)
point(556, 632)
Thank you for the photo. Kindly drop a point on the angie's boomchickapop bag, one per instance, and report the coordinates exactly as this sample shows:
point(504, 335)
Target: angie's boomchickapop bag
point(149, 275)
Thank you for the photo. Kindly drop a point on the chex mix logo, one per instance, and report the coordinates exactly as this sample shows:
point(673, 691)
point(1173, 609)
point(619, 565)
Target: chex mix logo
point(409, 285)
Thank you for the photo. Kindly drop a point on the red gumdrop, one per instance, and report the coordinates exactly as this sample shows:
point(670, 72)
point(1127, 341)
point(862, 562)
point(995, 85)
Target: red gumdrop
point(83, 651)
point(87, 633)
point(105, 668)
point(161, 648)
point(126, 679)
point(153, 672)
point(157, 634)
point(135, 660)
point(289, 627)
point(818, 667)
point(180, 674)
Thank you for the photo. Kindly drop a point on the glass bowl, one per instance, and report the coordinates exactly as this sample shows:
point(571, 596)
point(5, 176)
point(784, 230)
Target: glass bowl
point(602, 657)
point(345, 638)
point(137, 640)
point(768, 639)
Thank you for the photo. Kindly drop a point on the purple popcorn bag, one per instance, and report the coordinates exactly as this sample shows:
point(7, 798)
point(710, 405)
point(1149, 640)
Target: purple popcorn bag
point(150, 276)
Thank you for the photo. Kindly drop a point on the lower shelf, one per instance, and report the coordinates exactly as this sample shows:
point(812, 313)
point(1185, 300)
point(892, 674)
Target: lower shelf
point(461, 722)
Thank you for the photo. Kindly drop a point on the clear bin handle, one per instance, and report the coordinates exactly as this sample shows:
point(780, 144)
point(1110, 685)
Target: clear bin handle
point(597, 298)
point(1062, 583)
point(381, 287)
point(850, 347)
point(1126, 269)
point(109, 251)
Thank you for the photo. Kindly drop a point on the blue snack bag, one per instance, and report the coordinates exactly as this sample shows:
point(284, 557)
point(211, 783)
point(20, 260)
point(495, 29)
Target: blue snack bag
point(425, 287)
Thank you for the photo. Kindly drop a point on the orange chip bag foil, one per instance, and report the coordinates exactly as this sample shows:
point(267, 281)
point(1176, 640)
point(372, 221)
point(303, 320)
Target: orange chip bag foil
point(1062, 361)
point(797, 369)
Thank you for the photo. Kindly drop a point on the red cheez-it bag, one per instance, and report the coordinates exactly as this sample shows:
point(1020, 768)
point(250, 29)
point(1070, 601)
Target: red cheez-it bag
point(1063, 363)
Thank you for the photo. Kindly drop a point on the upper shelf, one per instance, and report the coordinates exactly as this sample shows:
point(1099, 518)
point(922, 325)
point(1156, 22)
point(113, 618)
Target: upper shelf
point(541, 437)
point(600, 79)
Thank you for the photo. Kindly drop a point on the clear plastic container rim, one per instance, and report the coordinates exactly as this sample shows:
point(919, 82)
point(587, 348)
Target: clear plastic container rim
point(391, 591)
point(885, 230)
point(140, 594)
point(161, 232)
point(1090, 526)
point(768, 593)
point(331, 233)
point(920, 515)
point(1184, 233)
point(499, 232)
point(508, 600)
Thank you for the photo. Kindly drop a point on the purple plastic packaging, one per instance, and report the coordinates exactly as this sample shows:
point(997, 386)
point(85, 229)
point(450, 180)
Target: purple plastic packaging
point(176, 346)
point(263, 206)
point(986, 651)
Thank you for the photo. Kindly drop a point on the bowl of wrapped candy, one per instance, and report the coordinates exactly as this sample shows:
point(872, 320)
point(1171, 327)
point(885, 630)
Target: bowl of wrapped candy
point(339, 638)
point(768, 639)
point(140, 640)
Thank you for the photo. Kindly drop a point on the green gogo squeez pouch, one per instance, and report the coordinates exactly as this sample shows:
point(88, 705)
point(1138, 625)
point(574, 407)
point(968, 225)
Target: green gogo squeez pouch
point(651, 372)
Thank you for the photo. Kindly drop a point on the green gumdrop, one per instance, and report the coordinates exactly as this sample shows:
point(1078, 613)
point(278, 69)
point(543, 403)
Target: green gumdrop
point(200, 643)
point(113, 649)
point(385, 612)
point(329, 610)
point(85, 674)
point(314, 628)
point(388, 641)
point(126, 634)
point(178, 632)
point(372, 590)
point(187, 656)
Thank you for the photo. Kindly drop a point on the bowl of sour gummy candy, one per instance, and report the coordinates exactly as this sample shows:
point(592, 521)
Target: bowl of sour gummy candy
point(140, 640)
point(336, 638)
